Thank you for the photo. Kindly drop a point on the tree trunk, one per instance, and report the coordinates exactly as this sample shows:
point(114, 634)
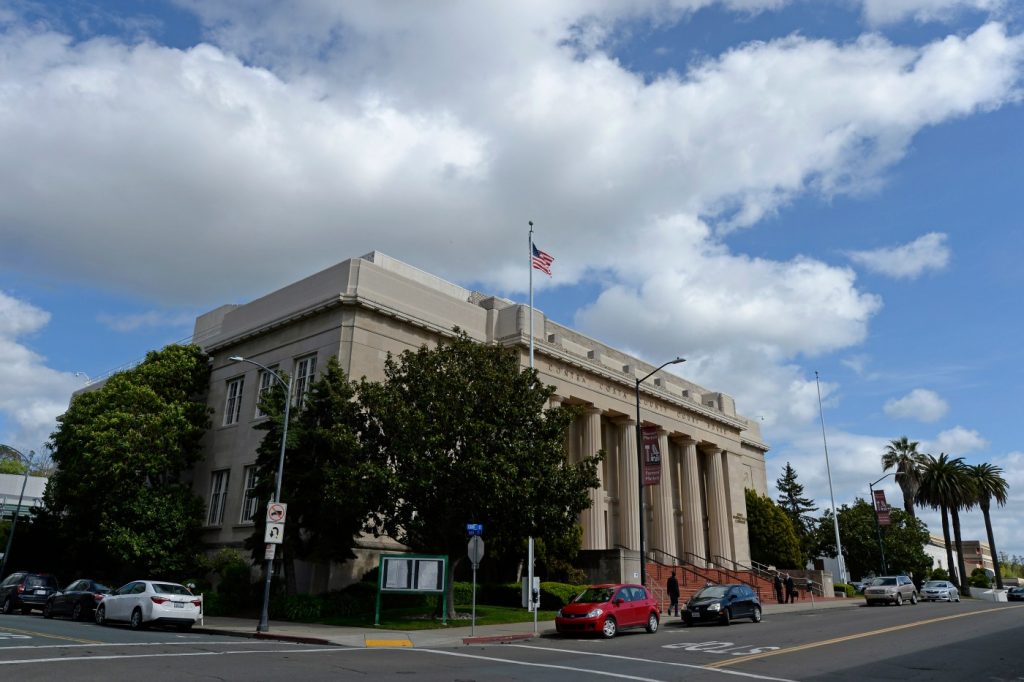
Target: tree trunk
point(955, 513)
point(992, 543)
point(908, 501)
point(450, 600)
point(949, 550)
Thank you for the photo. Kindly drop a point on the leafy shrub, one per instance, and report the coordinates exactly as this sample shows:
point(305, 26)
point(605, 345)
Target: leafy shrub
point(556, 595)
point(979, 578)
point(298, 607)
point(847, 589)
point(358, 599)
point(940, 574)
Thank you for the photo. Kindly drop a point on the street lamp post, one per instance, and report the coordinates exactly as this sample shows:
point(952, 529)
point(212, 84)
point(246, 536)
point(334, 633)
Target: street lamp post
point(878, 526)
point(640, 467)
point(264, 624)
point(17, 510)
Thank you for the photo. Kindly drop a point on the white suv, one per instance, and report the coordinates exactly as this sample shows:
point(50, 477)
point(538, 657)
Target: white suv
point(890, 589)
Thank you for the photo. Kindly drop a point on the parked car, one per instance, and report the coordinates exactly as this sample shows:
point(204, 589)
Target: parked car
point(606, 609)
point(890, 589)
point(146, 602)
point(26, 591)
point(935, 590)
point(79, 600)
point(722, 604)
point(1015, 594)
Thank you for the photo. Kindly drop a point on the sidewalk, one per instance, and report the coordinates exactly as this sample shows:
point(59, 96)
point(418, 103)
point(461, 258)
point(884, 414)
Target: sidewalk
point(308, 633)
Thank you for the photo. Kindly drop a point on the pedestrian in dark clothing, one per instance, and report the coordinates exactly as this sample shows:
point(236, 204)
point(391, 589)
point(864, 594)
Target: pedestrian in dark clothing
point(790, 589)
point(673, 594)
point(778, 588)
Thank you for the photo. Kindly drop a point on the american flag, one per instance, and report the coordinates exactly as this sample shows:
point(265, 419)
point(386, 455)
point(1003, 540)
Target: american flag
point(541, 260)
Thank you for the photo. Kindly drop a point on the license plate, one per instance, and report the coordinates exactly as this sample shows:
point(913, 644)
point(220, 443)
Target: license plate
point(695, 612)
point(40, 591)
point(179, 604)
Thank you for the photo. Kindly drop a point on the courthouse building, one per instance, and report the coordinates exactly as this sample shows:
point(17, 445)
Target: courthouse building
point(364, 308)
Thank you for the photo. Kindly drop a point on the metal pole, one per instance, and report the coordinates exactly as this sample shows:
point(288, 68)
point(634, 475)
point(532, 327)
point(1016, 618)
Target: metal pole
point(529, 572)
point(264, 623)
point(17, 512)
point(828, 470)
point(878, 526)
point(640, 469)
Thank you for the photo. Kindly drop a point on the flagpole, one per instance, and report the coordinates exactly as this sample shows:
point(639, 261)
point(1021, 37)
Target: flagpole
point(828, 470)
point(529, 550)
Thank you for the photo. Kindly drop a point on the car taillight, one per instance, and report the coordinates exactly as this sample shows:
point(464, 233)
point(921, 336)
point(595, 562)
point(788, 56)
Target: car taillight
point(160, 600)
point(197, 602)
point(20, 589)
point(98, 597)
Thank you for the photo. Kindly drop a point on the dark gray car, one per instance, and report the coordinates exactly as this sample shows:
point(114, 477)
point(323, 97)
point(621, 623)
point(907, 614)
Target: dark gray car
point(26, 591)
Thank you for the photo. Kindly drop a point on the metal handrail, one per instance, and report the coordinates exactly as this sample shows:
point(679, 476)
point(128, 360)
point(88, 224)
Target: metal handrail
point(694, 570)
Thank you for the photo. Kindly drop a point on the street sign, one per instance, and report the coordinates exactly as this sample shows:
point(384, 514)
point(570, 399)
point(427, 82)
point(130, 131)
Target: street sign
point(474, 529)
point(652, 455)
point(476, 550)
point(270, 552)
point(276, 511)
point(274, 533)
point(881, 508)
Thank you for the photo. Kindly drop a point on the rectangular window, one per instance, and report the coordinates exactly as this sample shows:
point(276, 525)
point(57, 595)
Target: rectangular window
point(218, 497)
point(266, 382)
point(249, 501)
point(305, 368)
point(233, 402)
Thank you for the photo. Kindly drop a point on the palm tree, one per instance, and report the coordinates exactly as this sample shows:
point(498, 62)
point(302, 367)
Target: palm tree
point(946, 486)
point(902, 455)
point(990, 485)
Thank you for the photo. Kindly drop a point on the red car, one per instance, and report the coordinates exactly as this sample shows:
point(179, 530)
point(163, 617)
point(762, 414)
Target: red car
point(606, 609)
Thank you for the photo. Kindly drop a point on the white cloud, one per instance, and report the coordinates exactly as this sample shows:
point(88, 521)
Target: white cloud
point(908, 261)
point(33, 395)
point(955, 442)
point(920, 404)
point(147, 320)
point(880, 12)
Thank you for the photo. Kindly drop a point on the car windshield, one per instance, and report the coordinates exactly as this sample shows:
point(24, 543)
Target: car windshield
point(594, 595)
point(883, 581)
point(170, 588)
point(713, 592)
point(935, 583)
point(100, 588)
point(41, 581)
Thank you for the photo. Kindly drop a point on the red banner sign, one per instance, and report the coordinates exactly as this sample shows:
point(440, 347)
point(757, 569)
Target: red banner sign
point(881, 508)
point(652, 456)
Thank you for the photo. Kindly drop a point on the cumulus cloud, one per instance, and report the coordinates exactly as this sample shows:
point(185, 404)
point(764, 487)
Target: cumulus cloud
point(907, 261)
point(955, 442)
point(880, 12)
point(33, 394)
point(920, 404)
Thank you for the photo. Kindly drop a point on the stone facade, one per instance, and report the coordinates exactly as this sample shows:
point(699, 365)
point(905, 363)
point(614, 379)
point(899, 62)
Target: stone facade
point(364, 308)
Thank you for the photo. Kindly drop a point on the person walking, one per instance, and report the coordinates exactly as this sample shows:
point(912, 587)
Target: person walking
point(673, 593)
point(778, 588)
point(790, 589)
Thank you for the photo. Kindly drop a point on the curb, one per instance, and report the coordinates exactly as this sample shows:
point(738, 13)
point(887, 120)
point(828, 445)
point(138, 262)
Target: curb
point(498, 639)
point(264, 635)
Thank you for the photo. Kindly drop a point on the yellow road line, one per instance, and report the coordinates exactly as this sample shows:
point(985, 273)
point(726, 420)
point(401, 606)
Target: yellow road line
point(46, 635)
point(847, 638)
point(389, 642)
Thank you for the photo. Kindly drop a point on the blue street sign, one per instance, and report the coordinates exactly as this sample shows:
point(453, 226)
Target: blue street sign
point(474, 529)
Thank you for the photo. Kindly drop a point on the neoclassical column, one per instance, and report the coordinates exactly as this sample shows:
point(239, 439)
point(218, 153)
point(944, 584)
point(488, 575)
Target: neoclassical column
point(718, 509)
point(693, 510)
point(629, 483)
point(663, 534)
point(592, 518)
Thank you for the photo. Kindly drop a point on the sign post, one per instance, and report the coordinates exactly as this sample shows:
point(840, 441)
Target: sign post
point(476, 553)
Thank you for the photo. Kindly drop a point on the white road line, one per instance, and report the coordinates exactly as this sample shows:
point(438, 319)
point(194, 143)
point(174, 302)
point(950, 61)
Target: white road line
point(165, 655)
point(195, 642)
point(653, 661)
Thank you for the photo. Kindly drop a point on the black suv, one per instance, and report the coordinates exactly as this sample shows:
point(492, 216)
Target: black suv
point(26, 591)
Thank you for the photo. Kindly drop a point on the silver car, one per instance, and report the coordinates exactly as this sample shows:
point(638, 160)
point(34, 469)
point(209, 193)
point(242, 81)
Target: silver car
point(890, 589)
point(939, 590)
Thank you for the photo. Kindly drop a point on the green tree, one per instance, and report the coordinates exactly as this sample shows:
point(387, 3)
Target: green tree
point(329, 483)
point(904, 539)
point(902, 455)
point(117, 498)
point(12, 466)
point(797, 507)
point(945, 485)
point(773, 539)
point(990, 485)
point(466, 436)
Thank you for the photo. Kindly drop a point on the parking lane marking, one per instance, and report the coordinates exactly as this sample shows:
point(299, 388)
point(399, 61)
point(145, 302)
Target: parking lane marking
point(33, 633)
point(388, 642)
point(847, 638)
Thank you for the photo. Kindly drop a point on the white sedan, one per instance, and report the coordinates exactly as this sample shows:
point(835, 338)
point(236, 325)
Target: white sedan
point(935, 590)
point(146, 602)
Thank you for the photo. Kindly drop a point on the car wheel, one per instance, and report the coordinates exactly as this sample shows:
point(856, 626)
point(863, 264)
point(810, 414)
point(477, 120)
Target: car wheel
point(958, 596)
point(135, 623)
point(8, 606)
point(76, 613)
point(652, 623)
point(609, 628)
point(899, 599)
point(101, 615)
point(48, 610)
point(756, 615)
point(726, 618)
point(913, 599)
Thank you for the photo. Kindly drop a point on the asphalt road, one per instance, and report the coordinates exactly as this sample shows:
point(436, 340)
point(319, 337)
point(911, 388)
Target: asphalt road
point(967, 641)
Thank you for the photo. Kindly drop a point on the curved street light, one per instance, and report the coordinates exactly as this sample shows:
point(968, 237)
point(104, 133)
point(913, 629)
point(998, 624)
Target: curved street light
point(17, 510)
point(640, 466)
point(264, 623)
point(878, 526)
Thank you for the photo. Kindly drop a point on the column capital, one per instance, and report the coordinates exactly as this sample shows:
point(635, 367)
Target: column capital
point(592, 409)
point(686, 440)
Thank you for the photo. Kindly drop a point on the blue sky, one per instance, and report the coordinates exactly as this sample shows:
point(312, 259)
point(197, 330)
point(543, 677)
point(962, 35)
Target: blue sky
point(767, 187)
